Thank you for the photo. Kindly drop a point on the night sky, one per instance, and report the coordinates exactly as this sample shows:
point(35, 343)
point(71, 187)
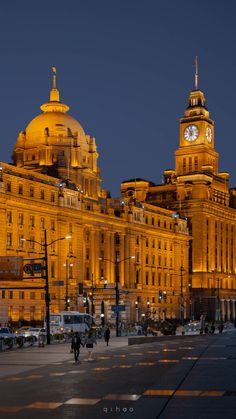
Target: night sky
point(125, 68)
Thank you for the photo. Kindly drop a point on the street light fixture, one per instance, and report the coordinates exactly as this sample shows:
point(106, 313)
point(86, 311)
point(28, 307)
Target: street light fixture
point(117, 292)
point(67, 266)
point(47, 295)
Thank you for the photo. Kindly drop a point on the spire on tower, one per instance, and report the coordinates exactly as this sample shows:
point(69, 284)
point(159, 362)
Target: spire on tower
point(196, 73)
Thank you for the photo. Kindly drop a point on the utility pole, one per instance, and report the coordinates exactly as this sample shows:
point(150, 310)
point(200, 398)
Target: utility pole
point(67, 304)
point(117, 294)
point(181, 296)
point(92, 299)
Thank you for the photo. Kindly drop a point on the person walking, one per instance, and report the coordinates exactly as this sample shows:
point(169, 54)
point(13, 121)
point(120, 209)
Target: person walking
point(89, 342)
point(75, 346)
point(107, 335)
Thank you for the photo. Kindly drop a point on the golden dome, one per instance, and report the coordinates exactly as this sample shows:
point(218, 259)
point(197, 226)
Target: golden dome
point(53, 127)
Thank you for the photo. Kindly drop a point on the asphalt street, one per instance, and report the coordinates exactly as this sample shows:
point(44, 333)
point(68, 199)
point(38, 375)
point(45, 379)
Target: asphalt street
point(186, 377)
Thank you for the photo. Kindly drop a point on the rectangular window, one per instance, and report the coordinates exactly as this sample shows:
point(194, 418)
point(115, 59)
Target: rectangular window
point(32, 295)
point(195, 163)
point(20, 219)
point(52, 197)
point(31, 221)
point(42, 223)
point(146, 259)
point(9, 239)
point(11, 295)
point(146, 242)
point(31, 243)
point(20, 189)
point(21, 241)
point(53, 225)
point(159, 279)
point(146, 278)
point(53, 269)
point(184, 164)
point(31, 192)
point(21, 295)
point(137, 240)
point(42, 194)
point(190, 164)
point(9, 217)
point(8, 187)
point(3, 294)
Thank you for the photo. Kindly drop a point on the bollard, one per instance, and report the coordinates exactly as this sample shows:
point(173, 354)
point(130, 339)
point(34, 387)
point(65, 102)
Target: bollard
point(41, 341)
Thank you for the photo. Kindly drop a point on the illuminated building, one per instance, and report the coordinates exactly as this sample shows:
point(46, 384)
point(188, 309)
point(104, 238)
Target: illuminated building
point(55, 184)
point(199, 192)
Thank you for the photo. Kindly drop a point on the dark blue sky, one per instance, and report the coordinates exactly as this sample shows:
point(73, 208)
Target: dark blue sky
point(125, 68)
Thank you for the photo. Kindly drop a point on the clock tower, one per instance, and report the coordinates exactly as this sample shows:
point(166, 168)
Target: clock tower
point(196, 137)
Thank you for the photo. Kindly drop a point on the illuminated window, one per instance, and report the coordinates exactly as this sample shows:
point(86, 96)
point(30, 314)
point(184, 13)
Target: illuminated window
point(9, 239)
point(20, 219)
point(31, 243)
point(8, 186)
point(31, 192)
point(21, 241)
point(9, 217)
point(31, 221)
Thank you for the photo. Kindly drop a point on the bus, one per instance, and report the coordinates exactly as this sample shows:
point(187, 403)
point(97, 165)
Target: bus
point(70, 321)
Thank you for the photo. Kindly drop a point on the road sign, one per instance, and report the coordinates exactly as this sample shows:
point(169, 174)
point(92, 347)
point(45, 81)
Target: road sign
point(120, 307)
point(11, 268)
point(28, 269)
point(37, 267)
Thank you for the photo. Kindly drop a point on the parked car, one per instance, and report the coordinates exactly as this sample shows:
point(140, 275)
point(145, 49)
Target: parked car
point(6, 332)
point(26, 331)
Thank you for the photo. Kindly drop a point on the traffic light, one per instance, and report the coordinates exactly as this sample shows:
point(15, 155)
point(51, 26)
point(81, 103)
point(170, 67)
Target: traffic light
point(160, 295)
point(164, 295)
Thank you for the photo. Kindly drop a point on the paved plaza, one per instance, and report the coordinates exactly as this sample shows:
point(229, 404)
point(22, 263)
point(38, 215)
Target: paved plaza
point(186, 377)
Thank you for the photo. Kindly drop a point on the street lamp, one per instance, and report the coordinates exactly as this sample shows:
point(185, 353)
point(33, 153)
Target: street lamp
point(67, 266)
point(47, 295)
point(117, 292)
point(181, 296)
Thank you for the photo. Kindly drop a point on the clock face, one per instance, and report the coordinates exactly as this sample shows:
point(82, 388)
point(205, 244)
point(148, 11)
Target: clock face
point(191, 133)
point(208, 134)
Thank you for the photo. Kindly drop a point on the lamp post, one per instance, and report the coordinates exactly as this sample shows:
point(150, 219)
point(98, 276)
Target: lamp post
point(181, 296)
point(46, 277)
point(117, 292)
point(67, 299)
